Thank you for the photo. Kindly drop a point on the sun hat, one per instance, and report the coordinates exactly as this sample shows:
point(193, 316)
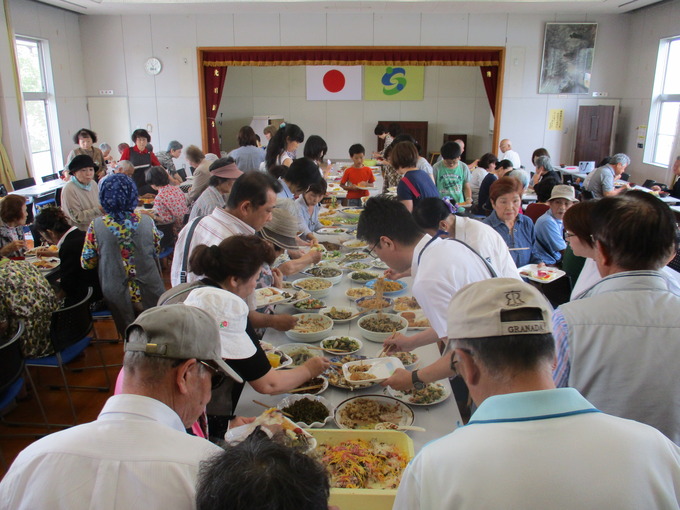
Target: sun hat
point(225, 168)
point(82, 161)
point(476, 310)
point(179, 332)
point(563, 191)
point(282, 229)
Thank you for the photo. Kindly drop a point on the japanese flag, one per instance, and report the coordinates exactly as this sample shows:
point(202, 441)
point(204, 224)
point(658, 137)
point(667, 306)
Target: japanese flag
point(334, 83)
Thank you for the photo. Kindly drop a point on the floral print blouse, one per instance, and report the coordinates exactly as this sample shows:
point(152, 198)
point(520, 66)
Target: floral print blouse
point(90, 256)
point(170, 206)
point(26, 294)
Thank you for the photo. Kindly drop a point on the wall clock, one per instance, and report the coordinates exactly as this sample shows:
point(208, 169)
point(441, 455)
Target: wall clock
point(153, 66)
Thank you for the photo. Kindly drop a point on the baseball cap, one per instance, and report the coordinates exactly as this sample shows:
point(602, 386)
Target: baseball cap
point(476, 311)
point(563, 191)
point(179, 332)
point(230, 313)
point(82, 161)
point(225, 168)
point(281, 229)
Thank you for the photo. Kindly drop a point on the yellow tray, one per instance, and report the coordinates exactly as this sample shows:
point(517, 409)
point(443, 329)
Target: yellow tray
point(364, 499)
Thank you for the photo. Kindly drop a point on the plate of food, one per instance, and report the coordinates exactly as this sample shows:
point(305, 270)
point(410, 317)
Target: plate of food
point(357, 266)
point(365, 412)
point(50, 250)
point(310, 327)
point(417, 320)
point(541, 275)
point(363, 276)
point(355, 244)
point(338, 345)
point(310, 304)
point(333, 274)
point(330, 231)
point(406, 304)
point(410, 360)
point(340, 314)
point(376, 327)
point(379, 264)
point(316, 287)
point(307, 411)
point(314, 386)
point(358, 292)
point(278, 359)
point(352, 212)
point(332, 255)
point(279, 428)
point(45, 264)
point(298, 352)
point(331, 246)
point(374, 304)
point(336, 377)
point(390, 287)
point(432, 394)
point(345, 220)
point(373, 370)
point(269, 296)
point(355, 256)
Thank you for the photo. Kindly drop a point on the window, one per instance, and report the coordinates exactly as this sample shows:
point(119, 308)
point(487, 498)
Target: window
point(39, 106)
point(665, 112)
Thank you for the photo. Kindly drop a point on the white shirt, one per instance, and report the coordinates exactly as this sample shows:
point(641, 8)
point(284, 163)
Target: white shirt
point(489, 244)
point(543, 450)
point(425, 166)
point(512, 156)
point(445, 267)
point(212, 229)
point(135, 455)
point(477, 176)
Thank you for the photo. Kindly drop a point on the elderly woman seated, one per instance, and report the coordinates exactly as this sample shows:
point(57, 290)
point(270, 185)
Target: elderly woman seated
point(223, 174)
point(166, 159)
point(80, 196)
point(170, 205)
point(12, 220)
point(545, 171)
point(550, 243)
point(516, 229)
point(26, 295)
point(123, 246)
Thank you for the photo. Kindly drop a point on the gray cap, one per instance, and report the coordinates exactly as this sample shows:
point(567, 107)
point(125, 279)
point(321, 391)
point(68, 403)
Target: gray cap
point(179, 332)
point(476, 310)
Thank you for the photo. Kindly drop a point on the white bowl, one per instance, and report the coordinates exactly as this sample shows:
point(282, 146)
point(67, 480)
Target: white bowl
point(294, 349)
point(313, 336)
point(404, 285)
point(410, 360)
point(355, 244)
point(356, 291)
point(370, 275)
point(365, 265)
point(353, 310)
point(333, 279)
point(322, 304)
point(335, 353)
point(290, 399)
point(362, 309)
point(375, 336)
point(318, 391)
point(318, 293)
point(351, 212)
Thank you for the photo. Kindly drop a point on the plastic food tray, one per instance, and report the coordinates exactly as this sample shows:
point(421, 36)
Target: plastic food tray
point(364, 499)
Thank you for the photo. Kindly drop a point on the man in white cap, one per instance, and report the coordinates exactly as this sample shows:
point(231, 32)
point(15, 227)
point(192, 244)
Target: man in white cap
point(550, 244)
point(137, 453)
point(528, 444)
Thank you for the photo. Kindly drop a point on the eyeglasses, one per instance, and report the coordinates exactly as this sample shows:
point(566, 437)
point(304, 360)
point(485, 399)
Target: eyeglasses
point(371, 253)
point(217, 377)
point(455, 361)
point(568, 234)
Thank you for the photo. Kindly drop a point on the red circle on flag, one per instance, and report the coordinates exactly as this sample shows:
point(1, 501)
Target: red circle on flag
point(334, 81)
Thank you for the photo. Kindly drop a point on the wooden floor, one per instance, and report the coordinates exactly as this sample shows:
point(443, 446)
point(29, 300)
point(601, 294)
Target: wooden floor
point(88, 403)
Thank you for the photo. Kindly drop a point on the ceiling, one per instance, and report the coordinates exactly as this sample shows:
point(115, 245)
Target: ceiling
point(90, 7)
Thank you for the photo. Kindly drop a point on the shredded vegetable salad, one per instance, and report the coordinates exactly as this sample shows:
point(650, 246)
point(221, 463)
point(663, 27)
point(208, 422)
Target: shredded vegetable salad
point(360, 464)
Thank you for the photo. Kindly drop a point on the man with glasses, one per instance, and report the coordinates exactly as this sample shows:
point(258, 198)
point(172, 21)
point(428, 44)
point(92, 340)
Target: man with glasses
point(137, 453)
point(528, 444)
point(439, 268)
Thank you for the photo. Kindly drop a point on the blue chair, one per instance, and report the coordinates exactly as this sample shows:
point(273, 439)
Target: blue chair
point(12, 368)
point(69, 337)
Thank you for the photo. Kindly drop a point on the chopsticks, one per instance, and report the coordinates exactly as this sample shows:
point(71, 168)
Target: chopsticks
point(306, 388)
point(518, 249)
point(270, 407)
point(339, 351)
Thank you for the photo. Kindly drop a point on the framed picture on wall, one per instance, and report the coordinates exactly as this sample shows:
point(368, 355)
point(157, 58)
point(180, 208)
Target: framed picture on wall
point(568, 50)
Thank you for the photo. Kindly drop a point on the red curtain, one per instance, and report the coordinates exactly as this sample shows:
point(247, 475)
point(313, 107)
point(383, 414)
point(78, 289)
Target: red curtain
point(490, 79)
point(214, 85)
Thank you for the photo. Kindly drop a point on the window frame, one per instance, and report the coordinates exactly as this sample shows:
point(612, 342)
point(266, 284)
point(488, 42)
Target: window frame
point(48, 97)
point(659, 98)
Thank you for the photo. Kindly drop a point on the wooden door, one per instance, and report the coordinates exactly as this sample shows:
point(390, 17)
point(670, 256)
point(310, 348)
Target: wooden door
point(416, 128)
point(593, 133)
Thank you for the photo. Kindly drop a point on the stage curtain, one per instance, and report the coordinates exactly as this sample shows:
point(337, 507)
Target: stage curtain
point(215, 77)
point(490, 79)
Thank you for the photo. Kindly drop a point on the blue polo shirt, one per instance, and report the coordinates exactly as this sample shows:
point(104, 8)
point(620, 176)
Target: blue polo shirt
point(549, 238)
point(522, 236)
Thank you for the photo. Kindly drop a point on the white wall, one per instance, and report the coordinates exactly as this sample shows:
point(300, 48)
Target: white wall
point(169, 101)
point(454, 102)
point(61, 29)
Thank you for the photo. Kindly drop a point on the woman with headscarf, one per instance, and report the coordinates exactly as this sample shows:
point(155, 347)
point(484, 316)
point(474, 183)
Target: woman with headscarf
point(124, 246)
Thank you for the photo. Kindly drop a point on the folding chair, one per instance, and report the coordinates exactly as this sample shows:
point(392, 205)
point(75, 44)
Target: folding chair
point(23, 183)
point(51, 177)
point(11, 382)
point(68, 333)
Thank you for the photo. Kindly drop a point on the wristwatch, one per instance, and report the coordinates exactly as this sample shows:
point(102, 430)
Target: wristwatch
point(417, 383)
